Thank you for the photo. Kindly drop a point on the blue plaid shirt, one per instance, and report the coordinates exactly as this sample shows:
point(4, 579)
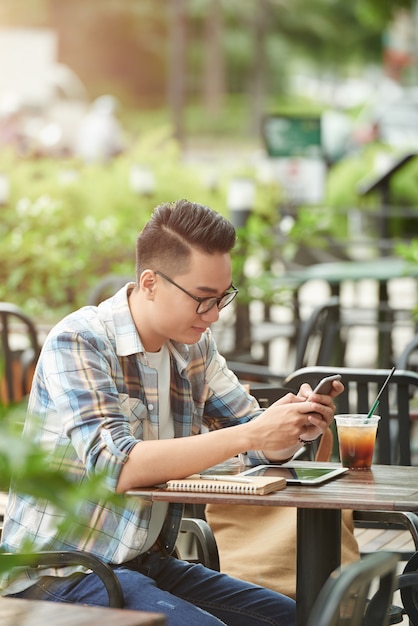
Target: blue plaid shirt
point(93, 397)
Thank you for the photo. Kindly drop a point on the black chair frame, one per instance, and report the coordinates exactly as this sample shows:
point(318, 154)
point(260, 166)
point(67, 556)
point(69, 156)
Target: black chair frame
point(71, 557)
point(404, 360)
point(321, 328)
point(394, 403)
point(10, 313)
point(203, 539)
point(349, 588)
point(199, 529)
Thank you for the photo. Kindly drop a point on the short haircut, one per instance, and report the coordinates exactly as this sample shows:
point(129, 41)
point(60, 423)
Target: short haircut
point(175, 228)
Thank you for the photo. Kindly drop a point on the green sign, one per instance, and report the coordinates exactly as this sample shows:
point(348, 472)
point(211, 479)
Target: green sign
point(292, 136)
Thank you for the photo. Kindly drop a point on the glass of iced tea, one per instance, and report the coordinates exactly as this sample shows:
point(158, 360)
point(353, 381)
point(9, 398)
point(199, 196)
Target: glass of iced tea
point(356, 437)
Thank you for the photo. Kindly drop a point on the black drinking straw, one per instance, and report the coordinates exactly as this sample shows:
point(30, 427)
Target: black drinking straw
point(376, 402)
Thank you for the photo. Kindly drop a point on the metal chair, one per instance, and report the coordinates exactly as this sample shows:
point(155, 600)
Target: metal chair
point(17, 362)
point(203, 540)
point(318, 343)
point(408, 360)
point(361, 388)
point(69, 557)
point(267, 394)
point(405, 359)
point(407, 583)
point(106, 287)
point(206, 553)
point(393, 445)
point(344, 599)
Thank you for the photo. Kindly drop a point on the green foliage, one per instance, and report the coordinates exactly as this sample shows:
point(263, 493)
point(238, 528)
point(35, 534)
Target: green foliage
point(232, 122)
point(312, 226)
point(58, 235)
point(375, 14)
point(29, 468)
point(67, 224)
point(409, 251)
point(346, 175)
point(404, 185)
point(344, 189)
point(320, 227)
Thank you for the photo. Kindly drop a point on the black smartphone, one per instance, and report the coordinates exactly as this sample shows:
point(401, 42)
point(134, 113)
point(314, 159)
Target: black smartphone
point(325, 385)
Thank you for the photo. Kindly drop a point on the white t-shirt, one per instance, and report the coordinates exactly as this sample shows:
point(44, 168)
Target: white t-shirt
point(161, 362)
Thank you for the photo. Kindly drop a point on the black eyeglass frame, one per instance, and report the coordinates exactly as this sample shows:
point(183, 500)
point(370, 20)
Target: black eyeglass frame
point(228, 296)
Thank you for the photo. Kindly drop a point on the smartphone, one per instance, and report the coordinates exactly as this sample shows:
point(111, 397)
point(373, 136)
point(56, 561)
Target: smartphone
point(325, 385)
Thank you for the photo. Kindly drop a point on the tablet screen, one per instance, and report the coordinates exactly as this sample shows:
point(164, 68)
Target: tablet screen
point(304, 474)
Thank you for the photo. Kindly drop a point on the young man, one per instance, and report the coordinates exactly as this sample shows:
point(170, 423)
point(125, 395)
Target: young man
point(136, 388)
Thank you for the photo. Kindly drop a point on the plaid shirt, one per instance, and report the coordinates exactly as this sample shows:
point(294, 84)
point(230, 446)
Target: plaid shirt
point(93, 397)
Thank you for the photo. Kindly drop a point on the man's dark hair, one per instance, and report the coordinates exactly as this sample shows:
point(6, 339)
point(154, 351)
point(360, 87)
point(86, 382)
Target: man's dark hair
point(175, 228)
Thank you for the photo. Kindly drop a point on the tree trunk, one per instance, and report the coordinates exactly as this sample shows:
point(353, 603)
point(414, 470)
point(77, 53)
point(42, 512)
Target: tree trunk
point(259, 73)
point(242, 345)
point(214, 69)
point(177, 65)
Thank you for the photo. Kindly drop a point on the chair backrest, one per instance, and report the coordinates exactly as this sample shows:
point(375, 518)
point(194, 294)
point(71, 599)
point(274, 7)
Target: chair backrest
point(19, 352)
point(267, 394)
point(106, 287)
point(318, 338)
point(404, 361)
point(60, 558)
point(361, 388)
point(344, 599)
point(318, 343)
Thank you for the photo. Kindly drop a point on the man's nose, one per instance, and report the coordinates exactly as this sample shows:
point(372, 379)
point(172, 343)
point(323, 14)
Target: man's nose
point(211, 316)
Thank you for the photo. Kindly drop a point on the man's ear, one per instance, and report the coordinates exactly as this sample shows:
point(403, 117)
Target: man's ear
point(147, 283)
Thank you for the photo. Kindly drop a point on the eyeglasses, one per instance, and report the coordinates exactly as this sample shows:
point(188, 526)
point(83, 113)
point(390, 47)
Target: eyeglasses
point(206, 304)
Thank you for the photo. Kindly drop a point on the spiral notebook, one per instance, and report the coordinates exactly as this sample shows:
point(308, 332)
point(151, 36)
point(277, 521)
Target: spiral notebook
point(257, 485)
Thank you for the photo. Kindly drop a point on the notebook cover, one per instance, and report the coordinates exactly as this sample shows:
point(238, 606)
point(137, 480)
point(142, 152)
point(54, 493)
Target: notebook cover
point(257, 485)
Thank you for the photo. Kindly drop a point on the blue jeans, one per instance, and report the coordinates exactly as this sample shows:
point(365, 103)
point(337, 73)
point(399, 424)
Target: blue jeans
point(185, 592)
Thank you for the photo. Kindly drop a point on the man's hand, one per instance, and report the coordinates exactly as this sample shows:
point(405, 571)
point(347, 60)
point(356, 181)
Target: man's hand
point(305, 416)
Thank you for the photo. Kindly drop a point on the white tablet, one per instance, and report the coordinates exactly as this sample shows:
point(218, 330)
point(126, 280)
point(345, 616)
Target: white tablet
point(298, 472)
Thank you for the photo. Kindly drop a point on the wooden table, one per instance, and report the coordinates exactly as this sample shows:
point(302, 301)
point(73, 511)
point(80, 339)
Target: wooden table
point(385, 487)
point(19, 612)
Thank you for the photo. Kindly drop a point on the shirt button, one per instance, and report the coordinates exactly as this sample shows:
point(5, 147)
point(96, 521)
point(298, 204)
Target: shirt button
point(150, 407)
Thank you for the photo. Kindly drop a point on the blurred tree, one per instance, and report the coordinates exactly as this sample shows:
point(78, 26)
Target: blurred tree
point(116, 46)
point(214, 82)
point(259, 69)
point(138, 48)
point(177, 65)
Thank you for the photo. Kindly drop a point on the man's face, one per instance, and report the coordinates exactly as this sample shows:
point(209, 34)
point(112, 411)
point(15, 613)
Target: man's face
point(174, 312)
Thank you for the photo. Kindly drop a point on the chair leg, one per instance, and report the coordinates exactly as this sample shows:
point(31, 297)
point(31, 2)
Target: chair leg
point(407, 582)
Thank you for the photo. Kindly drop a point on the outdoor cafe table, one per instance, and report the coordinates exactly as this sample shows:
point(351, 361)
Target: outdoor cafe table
point(382, 270)
point(20, 612)
point(385, 487)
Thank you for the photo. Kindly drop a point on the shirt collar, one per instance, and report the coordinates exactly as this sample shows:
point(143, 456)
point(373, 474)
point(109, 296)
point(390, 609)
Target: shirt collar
point(118, 316)
point(127, 338)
